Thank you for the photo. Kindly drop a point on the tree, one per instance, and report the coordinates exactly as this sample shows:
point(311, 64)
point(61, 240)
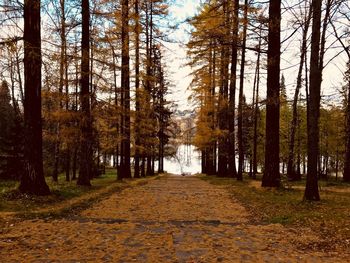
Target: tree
point(223, 92)
point(137, 89)
point(32, 180)
point(241, 95)
point(346, 174)
point(291, 173)
point(271, 177)
point(125, 170)
point(256, 108)
point(233, 86)
point(10, 135)
point(85, 169)
point(311, 190)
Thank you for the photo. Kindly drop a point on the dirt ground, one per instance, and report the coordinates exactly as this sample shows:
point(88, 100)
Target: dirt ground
point(173, 219)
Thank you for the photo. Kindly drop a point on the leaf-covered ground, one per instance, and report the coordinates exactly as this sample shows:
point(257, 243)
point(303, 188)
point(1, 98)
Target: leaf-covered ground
point(173, 219)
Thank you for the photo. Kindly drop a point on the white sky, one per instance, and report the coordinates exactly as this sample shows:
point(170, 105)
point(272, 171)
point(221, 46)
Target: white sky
point(179, 73)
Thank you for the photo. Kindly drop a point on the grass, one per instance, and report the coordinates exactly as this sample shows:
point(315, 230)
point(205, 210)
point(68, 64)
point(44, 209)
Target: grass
point(11, 200)
point(330, 217)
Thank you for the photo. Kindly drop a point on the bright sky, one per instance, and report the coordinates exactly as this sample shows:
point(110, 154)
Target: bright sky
point(179, 73)
point(175, 55)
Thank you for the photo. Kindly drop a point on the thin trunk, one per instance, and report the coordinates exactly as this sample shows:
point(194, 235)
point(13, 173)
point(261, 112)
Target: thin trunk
point(241, 95)
point(311, 190)
point(74, 165)
point(213, 157)
point(137, 91)
point(143, 166)
point(19, 74)
point(233, 86)
point(256, 111)
point(223, 97)
point(290, 167)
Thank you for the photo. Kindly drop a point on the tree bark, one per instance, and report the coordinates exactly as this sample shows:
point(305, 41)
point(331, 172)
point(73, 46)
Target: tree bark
point(125, 171)
point(241, 95)
point(223, 98)
point(346, 173)
point(32, 180)
point(311, 190)
point(271, 177)
point(256, 111)
point(85, 159)
point(232, 99)
point(137, 91)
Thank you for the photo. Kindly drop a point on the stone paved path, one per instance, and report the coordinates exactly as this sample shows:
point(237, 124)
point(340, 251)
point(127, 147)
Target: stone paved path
point(173, 219)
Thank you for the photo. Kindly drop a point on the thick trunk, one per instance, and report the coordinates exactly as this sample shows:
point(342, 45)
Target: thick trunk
point(271, 177)
point(125, 170)
point(32, 180)
point(311, 190)
point(85, 158)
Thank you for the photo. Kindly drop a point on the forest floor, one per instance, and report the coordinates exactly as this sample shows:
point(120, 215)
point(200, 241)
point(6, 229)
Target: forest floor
point(167, 219)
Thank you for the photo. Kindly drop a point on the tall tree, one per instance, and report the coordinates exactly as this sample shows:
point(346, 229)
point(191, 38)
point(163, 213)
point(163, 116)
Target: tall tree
point(271, 177)
point(223, 93)
point(241, 95)
point(311, 190)
point(256, 109)
point(125, 170)
point(233, 86)
point(291, 166)
point(32, 180)
point(137, 89)
point(85, 171)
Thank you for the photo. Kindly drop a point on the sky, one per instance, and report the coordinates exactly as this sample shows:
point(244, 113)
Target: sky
point(175, 53)
point(179, 73)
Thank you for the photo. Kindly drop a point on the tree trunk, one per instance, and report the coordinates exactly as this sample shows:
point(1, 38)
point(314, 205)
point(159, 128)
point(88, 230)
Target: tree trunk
point(346, 173)
point(125, 171)
point(223, 98)
point(256, 110)
point(212, 149)
point(271, 177)
point(241, 95)
point(232, 99)
point(85, 159)
point(311, 190)
point(32, 180)
point(137, 91)
point(291, 167)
